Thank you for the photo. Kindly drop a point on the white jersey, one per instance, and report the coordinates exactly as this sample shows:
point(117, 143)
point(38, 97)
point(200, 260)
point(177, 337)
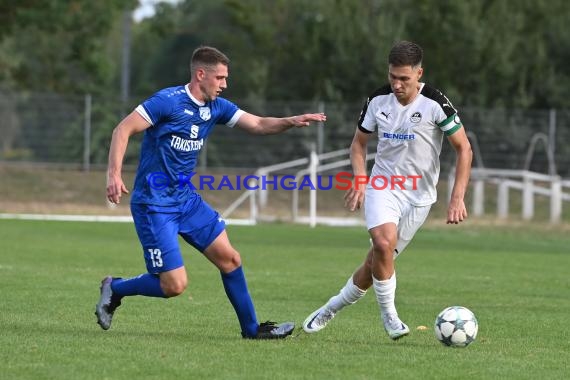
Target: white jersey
point(409, 141)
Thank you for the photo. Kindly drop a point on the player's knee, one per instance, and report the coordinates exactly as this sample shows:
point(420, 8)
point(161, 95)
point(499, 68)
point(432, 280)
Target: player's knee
point(236, 260)
point(382, 246)
point(230, 262)
point(174, 288)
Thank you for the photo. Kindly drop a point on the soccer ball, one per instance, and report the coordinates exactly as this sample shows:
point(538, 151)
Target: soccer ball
point(456, 326)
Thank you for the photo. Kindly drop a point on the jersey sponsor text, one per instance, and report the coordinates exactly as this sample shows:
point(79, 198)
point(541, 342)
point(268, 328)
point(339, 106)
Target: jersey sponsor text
point(184, 145)
point(399, 136)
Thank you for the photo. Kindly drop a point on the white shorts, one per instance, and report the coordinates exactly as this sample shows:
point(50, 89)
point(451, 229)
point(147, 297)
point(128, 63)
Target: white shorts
point(381, 207)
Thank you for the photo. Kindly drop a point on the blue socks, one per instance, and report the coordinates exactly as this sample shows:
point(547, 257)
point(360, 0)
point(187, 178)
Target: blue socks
point(234, 284)
point(143, 285)
point(236, 290)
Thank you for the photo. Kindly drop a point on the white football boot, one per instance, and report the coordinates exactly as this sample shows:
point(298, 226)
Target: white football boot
point(318, 320)
point(394, 326)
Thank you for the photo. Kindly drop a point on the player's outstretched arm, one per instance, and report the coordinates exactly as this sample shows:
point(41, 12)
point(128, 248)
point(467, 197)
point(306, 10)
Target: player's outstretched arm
point(133, 123)
point(271, 125)
point(457, 211)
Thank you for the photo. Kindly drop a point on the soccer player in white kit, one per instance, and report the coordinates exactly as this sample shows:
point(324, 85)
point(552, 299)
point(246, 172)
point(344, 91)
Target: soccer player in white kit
point(411, 119)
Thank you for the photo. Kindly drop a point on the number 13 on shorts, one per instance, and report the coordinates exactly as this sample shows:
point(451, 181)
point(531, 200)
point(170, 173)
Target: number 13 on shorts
point(155, 257)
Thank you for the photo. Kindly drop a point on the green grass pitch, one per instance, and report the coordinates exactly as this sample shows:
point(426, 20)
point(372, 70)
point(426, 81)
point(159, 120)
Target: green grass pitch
point(515, 280)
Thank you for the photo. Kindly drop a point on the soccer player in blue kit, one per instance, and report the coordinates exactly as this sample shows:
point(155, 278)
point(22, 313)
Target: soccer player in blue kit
point(176, 122)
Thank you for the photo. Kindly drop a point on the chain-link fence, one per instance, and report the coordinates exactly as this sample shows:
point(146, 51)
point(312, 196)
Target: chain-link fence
point(41, 133)
point(76, 130)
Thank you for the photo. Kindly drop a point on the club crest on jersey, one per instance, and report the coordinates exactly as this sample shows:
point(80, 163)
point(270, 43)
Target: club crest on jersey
point(205, 113)
point(416, 117)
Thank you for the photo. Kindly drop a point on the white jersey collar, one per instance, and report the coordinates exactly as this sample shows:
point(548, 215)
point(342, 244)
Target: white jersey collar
point(187, 88)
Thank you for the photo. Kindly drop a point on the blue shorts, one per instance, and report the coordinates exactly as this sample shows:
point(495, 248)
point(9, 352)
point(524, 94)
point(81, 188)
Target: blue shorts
point(158, 228)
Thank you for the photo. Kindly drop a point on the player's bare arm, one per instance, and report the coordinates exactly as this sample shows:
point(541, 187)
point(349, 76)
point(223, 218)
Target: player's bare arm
point(130, 125)
point(271, 125)
point(457, 211)
point(354, 197)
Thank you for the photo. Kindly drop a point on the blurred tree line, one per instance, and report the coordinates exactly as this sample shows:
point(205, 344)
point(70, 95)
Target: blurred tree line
point(508, 54)
point(486, 53)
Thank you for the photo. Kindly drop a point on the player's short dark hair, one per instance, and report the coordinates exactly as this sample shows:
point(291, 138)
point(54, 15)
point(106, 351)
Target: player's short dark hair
point(207, 56)
point(406, 53)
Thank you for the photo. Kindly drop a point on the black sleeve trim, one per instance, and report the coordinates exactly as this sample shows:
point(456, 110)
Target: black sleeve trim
point(438, 96)
point(384, 90)
point(364, 130)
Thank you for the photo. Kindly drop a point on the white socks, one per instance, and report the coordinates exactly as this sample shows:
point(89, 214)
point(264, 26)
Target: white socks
point(348, 295)
point(385, 294)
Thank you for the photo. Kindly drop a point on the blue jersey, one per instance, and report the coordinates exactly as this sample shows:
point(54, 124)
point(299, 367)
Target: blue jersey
point(180, 125)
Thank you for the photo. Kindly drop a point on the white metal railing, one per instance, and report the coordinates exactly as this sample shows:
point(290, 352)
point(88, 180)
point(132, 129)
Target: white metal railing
point(266, 170)
point(527, 182)
point(258, 197)
point(313, 170)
